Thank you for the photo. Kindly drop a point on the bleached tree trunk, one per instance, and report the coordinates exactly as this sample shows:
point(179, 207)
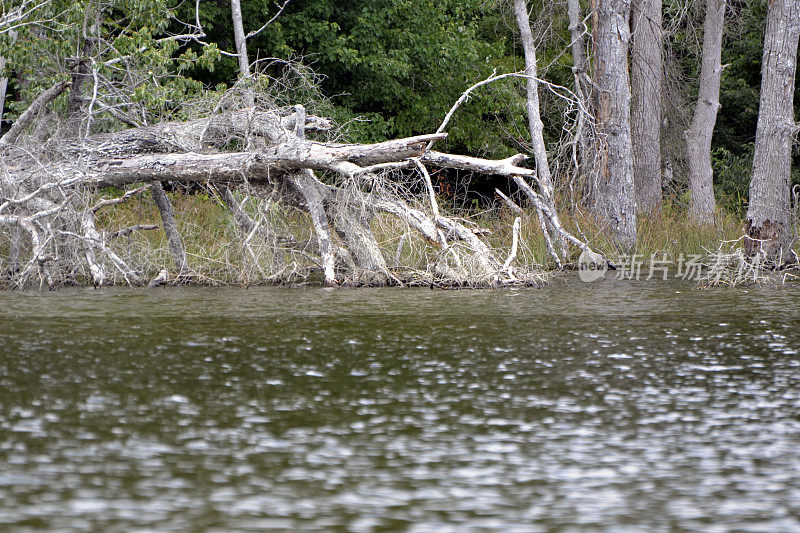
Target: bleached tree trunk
point(80, 73)
point(4, 79)
point(170, 228)
point(534, 118)
point(615, 200)
point(646, 76)
point(580, 68)
point(699, 134)
point(239, 38)
point(583, 153)
point(769, 214)
point(3, 88)
point(241, 48)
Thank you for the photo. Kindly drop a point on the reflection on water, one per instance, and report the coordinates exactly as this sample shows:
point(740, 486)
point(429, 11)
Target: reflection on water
point(620, 406)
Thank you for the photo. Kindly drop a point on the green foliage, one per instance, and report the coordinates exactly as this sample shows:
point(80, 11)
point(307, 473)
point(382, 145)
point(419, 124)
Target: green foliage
point(138, 68)
point(742, 49)
point(399, 64)
point(386, 67)
point(732, 174)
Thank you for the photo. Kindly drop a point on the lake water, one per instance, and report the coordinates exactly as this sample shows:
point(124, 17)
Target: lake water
point(617, 406)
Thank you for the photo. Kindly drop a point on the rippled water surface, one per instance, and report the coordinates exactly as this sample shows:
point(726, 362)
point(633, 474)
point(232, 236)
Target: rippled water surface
point(618, 406)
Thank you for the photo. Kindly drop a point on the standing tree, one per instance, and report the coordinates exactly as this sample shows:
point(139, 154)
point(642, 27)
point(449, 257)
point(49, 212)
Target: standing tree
point(583, 152)
point(646, 75)
point(3, 87)
point(537, 128)
point(615, 200)
point(769, 223)
point(699, 134)
point(4, 79)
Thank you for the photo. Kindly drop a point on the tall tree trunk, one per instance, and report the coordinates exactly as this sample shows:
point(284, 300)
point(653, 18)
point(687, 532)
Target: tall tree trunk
point(3, 87)
point(80, 71)
point(534, 116)
point(616, 199)
point(699, 134)
point(583, 90)
point(646, 76)
point(241, 49)
point(769, 215)
point(4, 80)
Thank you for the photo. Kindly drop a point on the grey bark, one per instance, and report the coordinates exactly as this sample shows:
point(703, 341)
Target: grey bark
point(4, 79)
point(498, 167)
point(615, 199)
point(260, 165)
point(3, 87)
point(241, 49)
point(170, 228)
point(769, 221)
point(646, 76)
point(582, 153)
point(534, 116)
point(27, 117)
point(577, 31)
point(80, 72)
point(532, 101)
point(699, 134)
point(239, 38)
point(314, 194)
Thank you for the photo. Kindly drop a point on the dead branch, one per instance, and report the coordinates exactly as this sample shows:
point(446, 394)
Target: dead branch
point(116, 201)
point(130, 229)
point(27, 117)
point(170, 228)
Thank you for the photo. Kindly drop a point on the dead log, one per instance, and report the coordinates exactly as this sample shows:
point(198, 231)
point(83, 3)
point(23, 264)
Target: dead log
point(233, 167)
point(503, 167)
point(314, 194)
point(351, 218)
point(170, 228)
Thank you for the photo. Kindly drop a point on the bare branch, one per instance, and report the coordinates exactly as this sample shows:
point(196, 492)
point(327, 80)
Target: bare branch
point(270, 21)
point(130, 229)
point(34, 109)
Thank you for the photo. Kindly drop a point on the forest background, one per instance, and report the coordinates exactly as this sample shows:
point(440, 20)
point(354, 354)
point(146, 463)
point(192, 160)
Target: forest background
point(382, 69)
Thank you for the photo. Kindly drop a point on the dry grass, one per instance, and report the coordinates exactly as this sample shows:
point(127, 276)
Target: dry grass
point(216, 252)
point(670, 232)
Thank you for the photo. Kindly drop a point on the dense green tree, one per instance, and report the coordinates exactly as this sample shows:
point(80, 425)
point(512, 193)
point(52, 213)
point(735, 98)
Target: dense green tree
point(399, 63)
point(137, 66)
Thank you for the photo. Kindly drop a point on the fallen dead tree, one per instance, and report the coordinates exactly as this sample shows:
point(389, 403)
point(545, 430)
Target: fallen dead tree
point(251, 157)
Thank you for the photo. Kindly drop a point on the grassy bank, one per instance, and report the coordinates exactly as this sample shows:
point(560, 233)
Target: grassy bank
point(217, 255)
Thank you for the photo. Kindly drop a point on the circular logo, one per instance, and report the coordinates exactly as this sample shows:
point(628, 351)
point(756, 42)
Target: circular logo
point(591, 267)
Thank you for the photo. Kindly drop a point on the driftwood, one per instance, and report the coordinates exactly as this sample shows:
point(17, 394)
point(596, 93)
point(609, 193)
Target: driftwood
point(40, 196)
